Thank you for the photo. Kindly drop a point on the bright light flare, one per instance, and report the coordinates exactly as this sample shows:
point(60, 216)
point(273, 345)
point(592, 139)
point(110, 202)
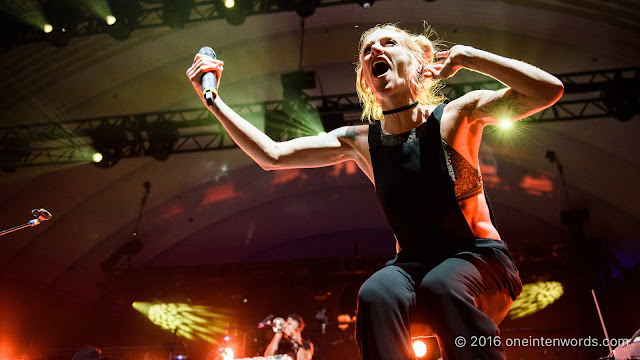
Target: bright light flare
point(229, 3)
point(227, 354)
point(47, 28)
point(419, 348)
point(110, 19)
point(97, 157)
point(506, 124)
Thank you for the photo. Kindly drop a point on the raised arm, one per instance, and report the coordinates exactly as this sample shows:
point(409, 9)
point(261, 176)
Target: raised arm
point(273, 345)
point(530, 89)
point(309, 151)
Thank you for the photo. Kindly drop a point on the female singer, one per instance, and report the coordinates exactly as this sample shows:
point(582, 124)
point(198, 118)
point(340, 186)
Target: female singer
point(452, 270)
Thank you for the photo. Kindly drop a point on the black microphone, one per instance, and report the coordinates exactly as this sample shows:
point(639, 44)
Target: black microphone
point(209, 80)
point(41, 214)
point(266, 321)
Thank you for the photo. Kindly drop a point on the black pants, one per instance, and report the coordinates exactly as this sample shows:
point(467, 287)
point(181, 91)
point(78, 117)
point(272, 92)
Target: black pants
point(448, 296)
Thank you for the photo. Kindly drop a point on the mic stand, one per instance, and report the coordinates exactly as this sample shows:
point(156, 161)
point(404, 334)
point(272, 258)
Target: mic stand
point(31, 223)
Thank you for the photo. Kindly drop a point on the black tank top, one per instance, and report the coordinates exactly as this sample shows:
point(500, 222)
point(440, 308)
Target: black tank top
point(416, 191)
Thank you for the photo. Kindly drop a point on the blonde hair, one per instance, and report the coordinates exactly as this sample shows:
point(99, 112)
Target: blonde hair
point(426, 91)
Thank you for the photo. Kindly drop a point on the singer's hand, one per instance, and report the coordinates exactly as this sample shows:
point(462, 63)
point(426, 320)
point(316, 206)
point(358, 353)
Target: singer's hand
point(451, 61)
point(202, 64)
point(278, 336)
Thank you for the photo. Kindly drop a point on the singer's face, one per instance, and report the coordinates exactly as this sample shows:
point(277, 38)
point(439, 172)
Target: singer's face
point(386, 63)
point(294, 324)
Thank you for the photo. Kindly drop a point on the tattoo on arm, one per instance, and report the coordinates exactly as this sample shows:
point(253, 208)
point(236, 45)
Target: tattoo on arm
point(508, 105)
point(348, 132)
point(351, 133)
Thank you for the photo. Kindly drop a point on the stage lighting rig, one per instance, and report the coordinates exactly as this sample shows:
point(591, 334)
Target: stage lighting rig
point(622, 97)
point(163, 135)
point(176, 13)
point(235, 14)
point(293, 83)
point(111, 142)
point(64, 18)
point(126, 13)
point(304, 8)
point(14, 152)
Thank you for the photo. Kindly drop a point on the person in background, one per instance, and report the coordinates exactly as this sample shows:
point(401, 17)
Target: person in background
point(288, 340)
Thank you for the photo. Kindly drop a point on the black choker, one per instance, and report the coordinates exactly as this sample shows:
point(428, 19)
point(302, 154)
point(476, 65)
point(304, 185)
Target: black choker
point(407, 107)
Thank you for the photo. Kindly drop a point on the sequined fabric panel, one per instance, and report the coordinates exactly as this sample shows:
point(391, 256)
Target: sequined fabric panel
point(467, 179)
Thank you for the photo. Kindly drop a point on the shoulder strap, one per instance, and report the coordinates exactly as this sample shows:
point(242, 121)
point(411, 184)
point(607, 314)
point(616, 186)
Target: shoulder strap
point(437, 112)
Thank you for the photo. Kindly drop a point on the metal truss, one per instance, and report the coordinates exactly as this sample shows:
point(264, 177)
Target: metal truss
point(151, 12)
point(71, 141)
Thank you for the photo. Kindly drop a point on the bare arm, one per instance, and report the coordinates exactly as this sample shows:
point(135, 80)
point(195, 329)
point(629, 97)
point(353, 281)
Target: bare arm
point(303, 152)
point(530, 89)
point(304, 354)
point(273, 345)
point(309, 151)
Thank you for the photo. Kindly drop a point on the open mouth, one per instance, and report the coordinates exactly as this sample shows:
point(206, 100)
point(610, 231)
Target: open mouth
point(379, 68)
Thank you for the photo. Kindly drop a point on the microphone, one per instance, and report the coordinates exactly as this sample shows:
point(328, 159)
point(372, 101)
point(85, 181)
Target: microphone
point(209, 80)
point(41, 214)
point(266, 321)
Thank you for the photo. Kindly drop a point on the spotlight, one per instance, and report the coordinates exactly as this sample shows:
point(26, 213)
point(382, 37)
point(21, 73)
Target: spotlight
point(195, 322)
point(176, 13)
point(63, 18)
point(535, 297)
point(110, 19)
point(111, 143)
point(163, 135)
point(419, 348)
point(366, 3)
point(15, 14)
point(47, 28)
point(237, 13)
point(97, 157)
point(125, 15)
point(14, 152)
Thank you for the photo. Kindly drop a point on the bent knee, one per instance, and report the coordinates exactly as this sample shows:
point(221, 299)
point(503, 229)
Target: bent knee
point(439, 287)
point(380, 291)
